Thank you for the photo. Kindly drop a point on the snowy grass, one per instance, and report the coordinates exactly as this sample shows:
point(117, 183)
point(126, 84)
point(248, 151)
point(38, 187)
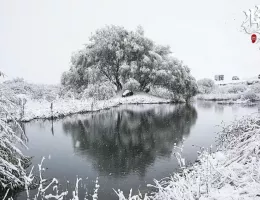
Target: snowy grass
point(232, 173)
point(42, 109)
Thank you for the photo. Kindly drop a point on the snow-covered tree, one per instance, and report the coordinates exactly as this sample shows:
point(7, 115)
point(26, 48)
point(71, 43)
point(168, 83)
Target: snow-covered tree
point(206, 85)
point(176, 77)
point(117, 55)
point(107, 50)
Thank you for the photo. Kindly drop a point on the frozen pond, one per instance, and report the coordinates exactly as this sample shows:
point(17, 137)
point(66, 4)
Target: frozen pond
point(127, 146)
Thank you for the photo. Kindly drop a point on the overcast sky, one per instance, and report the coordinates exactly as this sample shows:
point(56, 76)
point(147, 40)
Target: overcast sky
point(38, 37)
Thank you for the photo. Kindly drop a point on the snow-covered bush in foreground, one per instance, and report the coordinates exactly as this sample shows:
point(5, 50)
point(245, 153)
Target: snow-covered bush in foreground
point(12, 161)
point(232, 173)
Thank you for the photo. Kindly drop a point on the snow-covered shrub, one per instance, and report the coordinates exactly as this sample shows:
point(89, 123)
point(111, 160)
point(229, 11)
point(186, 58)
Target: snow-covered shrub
point(255, 88)
point(132, 85)
point(32, 91)
point(226, 92)
point(250, 96)
point(161, 92)
point(99, 91)
point(234, 89)
point(219, 90)
point(229, 89)
point(69, 93)
point(106, 91)
point(90, 91)
point(206, 85)
point(12, 161)
point(218, 97)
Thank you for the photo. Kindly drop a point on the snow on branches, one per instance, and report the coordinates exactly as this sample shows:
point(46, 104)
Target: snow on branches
point(12, 161)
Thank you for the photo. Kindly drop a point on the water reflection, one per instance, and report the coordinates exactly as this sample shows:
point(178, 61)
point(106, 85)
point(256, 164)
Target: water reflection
point(219, 108)
point(128, 139)
point(205, 104)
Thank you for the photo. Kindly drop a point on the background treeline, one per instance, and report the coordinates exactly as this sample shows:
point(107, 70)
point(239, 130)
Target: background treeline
point(247, 91)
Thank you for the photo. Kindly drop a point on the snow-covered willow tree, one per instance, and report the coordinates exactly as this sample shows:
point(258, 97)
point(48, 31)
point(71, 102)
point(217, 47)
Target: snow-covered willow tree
point(12, 161)
point(117, 55)
point(175, 76)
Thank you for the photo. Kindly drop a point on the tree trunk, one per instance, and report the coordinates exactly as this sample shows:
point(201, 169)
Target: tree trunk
point(187, 100)
point(118, 86)
point(142, 87)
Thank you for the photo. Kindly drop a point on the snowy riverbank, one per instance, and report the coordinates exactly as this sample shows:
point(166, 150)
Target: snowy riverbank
point(229, 99)
point(42, 109)
point(234, 98)
point(232, 173)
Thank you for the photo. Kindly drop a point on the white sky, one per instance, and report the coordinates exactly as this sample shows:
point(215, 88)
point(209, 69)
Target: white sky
point(38, 37)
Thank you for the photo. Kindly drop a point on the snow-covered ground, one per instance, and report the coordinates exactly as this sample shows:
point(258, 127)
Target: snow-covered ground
point(232, 173)
point(42, 109)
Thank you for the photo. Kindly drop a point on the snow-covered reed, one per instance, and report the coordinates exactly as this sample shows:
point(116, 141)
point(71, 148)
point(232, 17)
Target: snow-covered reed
point(12, 161)
point(233, 172)
point(49, 189)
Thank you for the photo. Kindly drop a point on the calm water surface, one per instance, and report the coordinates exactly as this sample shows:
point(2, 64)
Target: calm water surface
point(126, 147)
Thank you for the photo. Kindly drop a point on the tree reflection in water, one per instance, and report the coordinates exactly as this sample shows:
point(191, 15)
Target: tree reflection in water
point(205, 104)
point(129, 138)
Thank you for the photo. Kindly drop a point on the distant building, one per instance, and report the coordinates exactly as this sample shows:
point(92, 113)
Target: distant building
point(235, 78)
point(219, 77)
